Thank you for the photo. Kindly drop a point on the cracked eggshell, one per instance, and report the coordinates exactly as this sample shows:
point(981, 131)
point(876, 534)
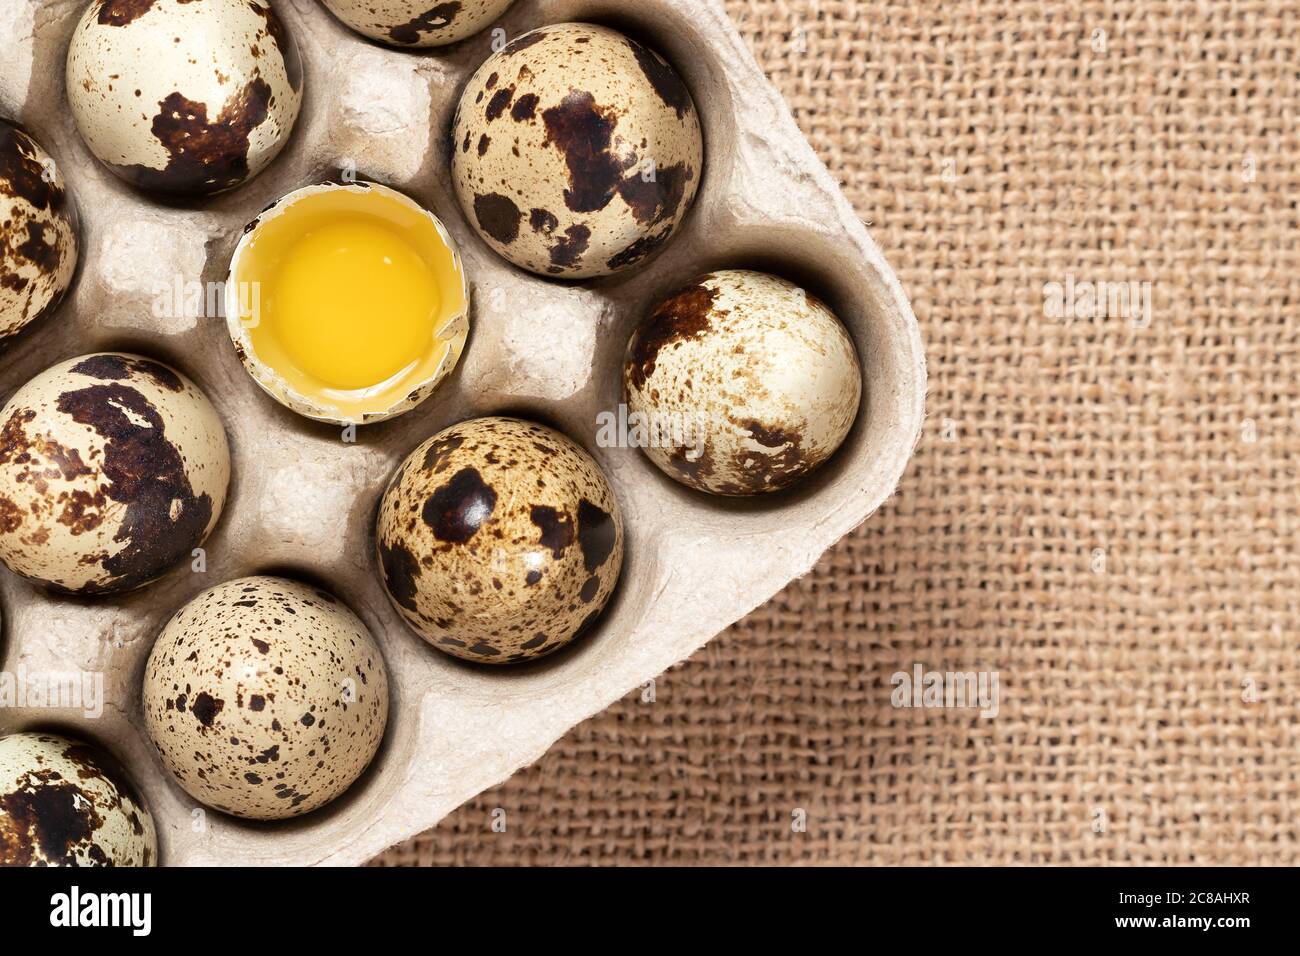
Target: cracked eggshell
point(38, 233)
point(453, 327)
point(113, 468)
point(265, 697)
point(758, 376)
point(66, 803)
point(417, 23)
point(499, 540)
point(576, 151)
point(182, 97)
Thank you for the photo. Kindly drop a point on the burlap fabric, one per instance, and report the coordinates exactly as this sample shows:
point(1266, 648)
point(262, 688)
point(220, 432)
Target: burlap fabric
point(1103, 508)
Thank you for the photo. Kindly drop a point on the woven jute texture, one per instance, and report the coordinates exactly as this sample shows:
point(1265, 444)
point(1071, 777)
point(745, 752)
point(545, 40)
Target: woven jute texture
point(1103, 508)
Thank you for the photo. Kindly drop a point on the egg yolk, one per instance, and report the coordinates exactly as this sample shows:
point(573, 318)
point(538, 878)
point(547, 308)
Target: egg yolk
point(352, 304)
point(353, 297)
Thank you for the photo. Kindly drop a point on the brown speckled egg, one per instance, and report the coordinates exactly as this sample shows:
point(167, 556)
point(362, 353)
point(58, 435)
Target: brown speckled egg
point(499, 540)
point(266, 698)
point(576, 151)
point(113, 468)
point(417, 23)
point(38, 233)
point(184, 97)
point(66, 803)
point(754, 381)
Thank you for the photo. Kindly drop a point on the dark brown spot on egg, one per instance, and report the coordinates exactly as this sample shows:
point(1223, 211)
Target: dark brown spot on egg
point(597, 534)
point(524, 42)
point(770, 437)
point(457, 510)
point(204, 156)
point(400, 569)
point(638, 250)
point(38, 250)
point(497, 105)
point(682, 316)
point(582, 131)
point(589, 589)
point(43, 812)
point(484, 142)
point(206, 707)
point(163, 518)
point(657, 198)
point(543, 221)
point(22, 176)
point(663, 78)
point(435, 19)
point(556, 528)
point(118, 13)
point(569, 250)
point(525, 108)
point(115, 367)
point(498, 216)
point(283, 42)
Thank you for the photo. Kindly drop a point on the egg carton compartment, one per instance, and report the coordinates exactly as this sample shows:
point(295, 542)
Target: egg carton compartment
point(302, 499)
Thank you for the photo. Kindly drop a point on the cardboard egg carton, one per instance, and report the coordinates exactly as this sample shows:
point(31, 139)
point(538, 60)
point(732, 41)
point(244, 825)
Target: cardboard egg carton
point(303, 498)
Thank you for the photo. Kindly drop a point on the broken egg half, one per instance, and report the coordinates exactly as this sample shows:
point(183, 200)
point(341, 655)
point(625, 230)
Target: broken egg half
point(347, 302)
point(67, 803)
point(113, 468)
point(417, 23)
point(181, 97)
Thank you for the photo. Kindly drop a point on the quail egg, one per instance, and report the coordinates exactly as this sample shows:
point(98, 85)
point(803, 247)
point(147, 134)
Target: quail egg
point(66, 803)
point(113, 467)
point(417, 23)
point(181, 97)
point(499, 540)
point(38, 233)
point(759, 377)
point(265, 697)
point(576, 151)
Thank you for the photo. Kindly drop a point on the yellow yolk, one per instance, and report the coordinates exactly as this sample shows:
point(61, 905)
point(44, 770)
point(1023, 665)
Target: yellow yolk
point(354, 298)
point(353, 304)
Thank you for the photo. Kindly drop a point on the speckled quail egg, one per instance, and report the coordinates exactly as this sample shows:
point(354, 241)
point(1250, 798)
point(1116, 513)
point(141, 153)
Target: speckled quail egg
point(417, 23)
point(576, 151)
point(184, 97)
point(38, 233)
point(113, 468)
point(758, 376)
point(499, 540)
point(265, 697)
point(66, 803)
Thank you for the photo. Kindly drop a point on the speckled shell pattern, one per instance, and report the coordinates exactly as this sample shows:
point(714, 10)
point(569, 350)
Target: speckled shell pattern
point(499, 540)
point(38, 233)
point(576, 151)
point(763, 370)
point(67, 803)
point(265, 697)
point(184, 97)
point(418, 23)
point(113, 468)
